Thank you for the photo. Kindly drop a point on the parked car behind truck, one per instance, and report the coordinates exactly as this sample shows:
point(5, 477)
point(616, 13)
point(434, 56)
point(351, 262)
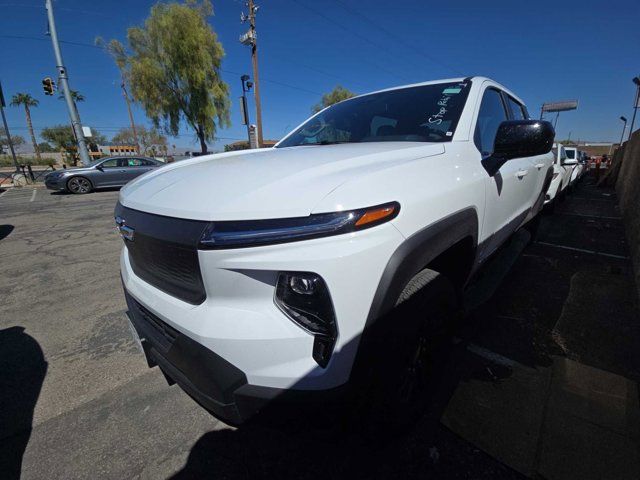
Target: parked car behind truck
point(334, 263)
point(561, 176)
point(102, 173)
point(574, 157)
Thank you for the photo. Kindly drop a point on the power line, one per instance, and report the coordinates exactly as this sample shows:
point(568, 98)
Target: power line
point(276, 82)
point(80, 44)
point(26, 37)
point(317, 70)
point(396, 37)
point(362, 37)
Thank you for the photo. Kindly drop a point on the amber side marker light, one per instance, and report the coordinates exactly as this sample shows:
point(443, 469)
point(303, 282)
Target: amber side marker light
point(376, 215)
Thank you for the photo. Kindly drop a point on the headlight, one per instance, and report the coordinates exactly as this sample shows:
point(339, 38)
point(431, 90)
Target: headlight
point(237, 234)
point(304, 298)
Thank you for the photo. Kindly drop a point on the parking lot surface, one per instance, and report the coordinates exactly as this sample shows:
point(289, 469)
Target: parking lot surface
point(78, 401)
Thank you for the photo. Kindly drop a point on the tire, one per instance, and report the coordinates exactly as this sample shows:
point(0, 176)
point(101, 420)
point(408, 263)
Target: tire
point(533, 227)
point(416, 345)
point(79, 185)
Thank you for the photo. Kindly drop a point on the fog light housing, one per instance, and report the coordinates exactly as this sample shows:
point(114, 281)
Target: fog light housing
point(305, 299)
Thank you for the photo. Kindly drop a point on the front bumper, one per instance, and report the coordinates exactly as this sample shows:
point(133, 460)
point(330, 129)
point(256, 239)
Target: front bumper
point(56, 183)
point(236, 352)
point(210, 380)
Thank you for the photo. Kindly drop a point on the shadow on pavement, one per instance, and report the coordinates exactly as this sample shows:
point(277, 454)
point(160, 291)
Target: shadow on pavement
point(22, 372)
point(5, 231)
point(326, 444)
point(64, 193)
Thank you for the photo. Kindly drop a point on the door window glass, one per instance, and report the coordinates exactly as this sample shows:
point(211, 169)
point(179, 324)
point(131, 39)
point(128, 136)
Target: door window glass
point(516, 110)
point(492, 114)
point(134, 162)
point(111, 163)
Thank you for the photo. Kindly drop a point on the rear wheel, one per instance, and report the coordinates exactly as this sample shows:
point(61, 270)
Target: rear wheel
point(418, 339)
point(79, 185)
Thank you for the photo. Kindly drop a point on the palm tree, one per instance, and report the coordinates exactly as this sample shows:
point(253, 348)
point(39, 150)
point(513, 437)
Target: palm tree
point(75, 95)
point(28, 101)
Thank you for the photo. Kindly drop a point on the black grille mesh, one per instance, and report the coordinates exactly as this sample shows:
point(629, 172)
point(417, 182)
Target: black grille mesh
point(164, 253)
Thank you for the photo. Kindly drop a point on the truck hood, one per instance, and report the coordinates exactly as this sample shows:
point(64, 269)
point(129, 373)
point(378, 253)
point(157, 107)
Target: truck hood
point(265, 183)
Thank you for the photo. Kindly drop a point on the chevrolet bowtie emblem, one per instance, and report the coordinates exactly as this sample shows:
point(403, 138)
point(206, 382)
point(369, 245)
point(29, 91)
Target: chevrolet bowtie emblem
point(125, 231)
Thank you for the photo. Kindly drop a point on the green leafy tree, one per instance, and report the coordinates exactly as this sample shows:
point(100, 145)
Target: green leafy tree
point(45, 147)
point(60, 136)
point(17, 141)
point(75, 95)
point(28, 102)
point(174, 69)
point(336, 95)
point(152, 140)
point(118, 53)
point(96, 139)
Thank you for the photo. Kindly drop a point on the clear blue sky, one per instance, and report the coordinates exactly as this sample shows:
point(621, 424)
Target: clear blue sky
point(543, 51)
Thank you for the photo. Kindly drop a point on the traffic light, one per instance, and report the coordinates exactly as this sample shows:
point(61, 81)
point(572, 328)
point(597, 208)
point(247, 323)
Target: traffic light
point(48, 86)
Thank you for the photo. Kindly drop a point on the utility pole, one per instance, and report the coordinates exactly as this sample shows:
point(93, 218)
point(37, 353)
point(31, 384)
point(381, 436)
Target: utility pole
point(133, 125)
point(636, 104)
point(251, 39)
point(6, 130)
point(64, 83)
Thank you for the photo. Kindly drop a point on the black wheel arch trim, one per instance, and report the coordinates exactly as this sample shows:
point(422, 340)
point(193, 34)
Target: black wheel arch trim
point(416, 252)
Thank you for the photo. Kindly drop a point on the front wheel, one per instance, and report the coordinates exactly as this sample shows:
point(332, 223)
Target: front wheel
point(418, 342)
point(79, 185)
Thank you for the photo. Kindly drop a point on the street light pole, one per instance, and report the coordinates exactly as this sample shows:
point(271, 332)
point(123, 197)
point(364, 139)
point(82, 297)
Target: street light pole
point(6, 130)
point(624, 127)
point(64, 83)
point(246, 86)
point(636, 80)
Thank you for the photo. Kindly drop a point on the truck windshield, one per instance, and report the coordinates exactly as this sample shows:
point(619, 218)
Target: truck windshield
point(570, 153)
point(427, 113)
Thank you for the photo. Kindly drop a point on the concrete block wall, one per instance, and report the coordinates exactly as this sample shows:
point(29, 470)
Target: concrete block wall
point(628, 189)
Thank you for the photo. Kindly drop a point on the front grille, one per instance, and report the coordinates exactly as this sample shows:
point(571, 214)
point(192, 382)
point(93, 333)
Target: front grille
point(164, 253)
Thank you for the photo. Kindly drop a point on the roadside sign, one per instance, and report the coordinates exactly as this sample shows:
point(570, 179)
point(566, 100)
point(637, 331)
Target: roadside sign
point(562, 106)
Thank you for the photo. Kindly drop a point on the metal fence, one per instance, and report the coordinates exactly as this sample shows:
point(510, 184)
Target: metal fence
point(31, 175)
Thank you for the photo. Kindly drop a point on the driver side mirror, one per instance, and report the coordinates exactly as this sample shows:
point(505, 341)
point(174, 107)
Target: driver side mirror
point(100, 167)
point(519, 138)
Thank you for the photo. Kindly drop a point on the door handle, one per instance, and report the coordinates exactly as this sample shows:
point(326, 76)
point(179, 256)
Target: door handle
point(539, 165)
point(123, 171)
point(521, 173)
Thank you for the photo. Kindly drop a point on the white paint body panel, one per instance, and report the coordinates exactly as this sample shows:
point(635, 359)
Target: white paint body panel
point(239, 320)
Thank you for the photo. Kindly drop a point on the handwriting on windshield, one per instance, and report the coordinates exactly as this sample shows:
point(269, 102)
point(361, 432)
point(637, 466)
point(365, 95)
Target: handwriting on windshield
point(447, 94)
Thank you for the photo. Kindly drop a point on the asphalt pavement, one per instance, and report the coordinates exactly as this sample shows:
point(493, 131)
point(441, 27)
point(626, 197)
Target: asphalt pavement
point(77, 399)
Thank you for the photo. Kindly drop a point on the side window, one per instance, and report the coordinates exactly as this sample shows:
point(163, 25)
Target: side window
point(111, 163)
point(492, 113)
point(146, 163)
point(516, 110)
point(134, 162)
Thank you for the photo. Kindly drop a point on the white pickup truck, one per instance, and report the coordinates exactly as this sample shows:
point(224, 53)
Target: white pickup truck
point(334, 262)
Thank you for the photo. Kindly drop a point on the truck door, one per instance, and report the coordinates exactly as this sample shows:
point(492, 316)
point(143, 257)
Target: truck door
point(509, 191)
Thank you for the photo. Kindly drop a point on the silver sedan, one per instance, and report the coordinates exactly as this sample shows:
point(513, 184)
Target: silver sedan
point(103, 173)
